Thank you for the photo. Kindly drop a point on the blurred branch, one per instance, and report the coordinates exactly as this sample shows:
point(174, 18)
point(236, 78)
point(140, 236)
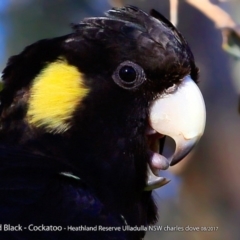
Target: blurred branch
point(116, 3)
point(221, 18)
point(174, 12)
point(230, 29)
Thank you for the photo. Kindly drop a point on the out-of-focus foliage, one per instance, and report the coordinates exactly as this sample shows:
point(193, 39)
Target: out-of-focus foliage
point(231, 41)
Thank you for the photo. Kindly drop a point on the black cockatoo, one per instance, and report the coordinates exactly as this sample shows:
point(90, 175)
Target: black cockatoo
point(81, 119)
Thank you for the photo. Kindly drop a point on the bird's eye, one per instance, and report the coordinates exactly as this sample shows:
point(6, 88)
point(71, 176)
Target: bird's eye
point(129, 75)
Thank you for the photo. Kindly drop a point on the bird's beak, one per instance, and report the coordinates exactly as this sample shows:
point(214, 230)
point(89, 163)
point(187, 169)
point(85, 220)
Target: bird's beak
point(180, 114)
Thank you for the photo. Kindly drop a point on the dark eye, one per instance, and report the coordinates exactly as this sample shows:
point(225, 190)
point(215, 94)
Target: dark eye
point(129, 75)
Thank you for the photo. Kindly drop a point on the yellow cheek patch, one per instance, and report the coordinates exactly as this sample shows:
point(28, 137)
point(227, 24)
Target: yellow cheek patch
point(55, 94)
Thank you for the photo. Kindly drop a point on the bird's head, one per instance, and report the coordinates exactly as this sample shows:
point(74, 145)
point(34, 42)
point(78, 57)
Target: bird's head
point(104, 96)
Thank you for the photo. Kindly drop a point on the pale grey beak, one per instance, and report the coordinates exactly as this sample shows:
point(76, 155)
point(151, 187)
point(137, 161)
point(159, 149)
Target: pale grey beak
point(180, 114)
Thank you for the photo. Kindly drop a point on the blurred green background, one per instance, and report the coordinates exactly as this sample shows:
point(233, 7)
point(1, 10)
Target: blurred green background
point(205, 187)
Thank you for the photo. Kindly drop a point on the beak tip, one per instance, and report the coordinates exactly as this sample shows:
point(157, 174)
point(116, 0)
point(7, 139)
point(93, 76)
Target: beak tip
point(183, 150)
